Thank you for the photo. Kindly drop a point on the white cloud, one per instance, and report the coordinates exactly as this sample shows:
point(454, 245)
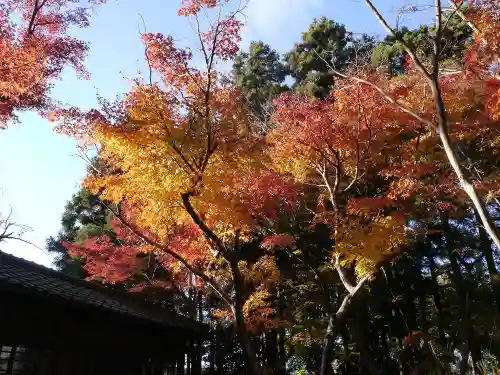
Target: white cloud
point(276, 21)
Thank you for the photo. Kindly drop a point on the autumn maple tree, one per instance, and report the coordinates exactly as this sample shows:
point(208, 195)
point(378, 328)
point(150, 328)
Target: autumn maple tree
point(483, 17)
point(377, 128)
point(34, 49)
point(337, 147)
point(430, 84)
point(362, 192)
point(186, 174)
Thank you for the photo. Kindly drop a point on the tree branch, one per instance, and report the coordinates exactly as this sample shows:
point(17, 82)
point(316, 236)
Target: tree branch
point(344, 278)
point(420, 66)
point(394, 102)
point(201, 224)
point(437, 38)
point(196, 271)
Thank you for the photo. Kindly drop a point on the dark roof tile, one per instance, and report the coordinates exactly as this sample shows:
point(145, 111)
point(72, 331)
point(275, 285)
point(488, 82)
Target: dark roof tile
point(35, 278)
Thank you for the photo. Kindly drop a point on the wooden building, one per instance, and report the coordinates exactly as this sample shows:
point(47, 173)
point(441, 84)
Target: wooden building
point(53, 324)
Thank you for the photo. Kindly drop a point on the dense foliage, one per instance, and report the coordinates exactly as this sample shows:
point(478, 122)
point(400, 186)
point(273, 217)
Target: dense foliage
point(347, 224)
point(35, 47)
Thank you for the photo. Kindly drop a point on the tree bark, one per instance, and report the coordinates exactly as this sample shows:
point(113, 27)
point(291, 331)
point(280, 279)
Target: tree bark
point(437, 301)
point(334, 320)
point(252, 364)
point(251, 361)
point(271, 349)
point(281, 336)
point(486, 249)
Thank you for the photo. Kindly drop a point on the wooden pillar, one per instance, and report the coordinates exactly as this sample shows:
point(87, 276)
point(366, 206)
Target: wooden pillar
point(10, 362)
point(197, 348)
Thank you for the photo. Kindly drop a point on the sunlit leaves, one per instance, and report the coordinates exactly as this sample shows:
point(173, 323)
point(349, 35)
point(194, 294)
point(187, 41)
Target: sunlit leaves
point(338, 146)
point(371, 242)
point(35, 50)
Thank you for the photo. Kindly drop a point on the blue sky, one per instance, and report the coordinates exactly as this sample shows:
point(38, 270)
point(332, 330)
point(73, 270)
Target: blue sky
point(37, 169)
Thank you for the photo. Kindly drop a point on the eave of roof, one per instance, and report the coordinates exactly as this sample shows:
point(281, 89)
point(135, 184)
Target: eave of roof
point(36, 279)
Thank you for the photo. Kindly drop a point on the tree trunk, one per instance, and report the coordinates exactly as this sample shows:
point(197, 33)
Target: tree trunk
point(442, 128)
point(271, 349)
point(485, 244)
point(213, 348)
point(252, 364)
point(347, 351)
point(466, 334)
point(181, 362)
point(219, 355)
point(334, 321)
point(327, 354)
point(197, 345)
point(422, 302)
point(281, 336)
point(475, 351)
point(190, 357)
point(437, 302)
point(368, 366)
point(463, 295)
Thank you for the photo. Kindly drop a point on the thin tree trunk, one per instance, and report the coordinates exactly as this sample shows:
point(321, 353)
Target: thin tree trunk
point(422, 303)
point(190, 357)
point(219, 355)
point(197, 345)
point(437, 301)
point(486, 249)
point(213, 348)
point(347, 351)
point(271, 349)
point(476, 355)
point(181, 362)
point(327, 354)
point(463, 295)
point(334, 320)
point(281, 336)
point(465, 351)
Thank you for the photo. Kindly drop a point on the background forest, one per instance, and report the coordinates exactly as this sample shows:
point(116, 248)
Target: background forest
point(330, 210)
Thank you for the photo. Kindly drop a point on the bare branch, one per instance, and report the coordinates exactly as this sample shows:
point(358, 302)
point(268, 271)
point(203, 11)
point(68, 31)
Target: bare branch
point(146, 52)
point(394, 102)
point(437, 38)
point(461, 14)
point(15, 238)
point(420, 66)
